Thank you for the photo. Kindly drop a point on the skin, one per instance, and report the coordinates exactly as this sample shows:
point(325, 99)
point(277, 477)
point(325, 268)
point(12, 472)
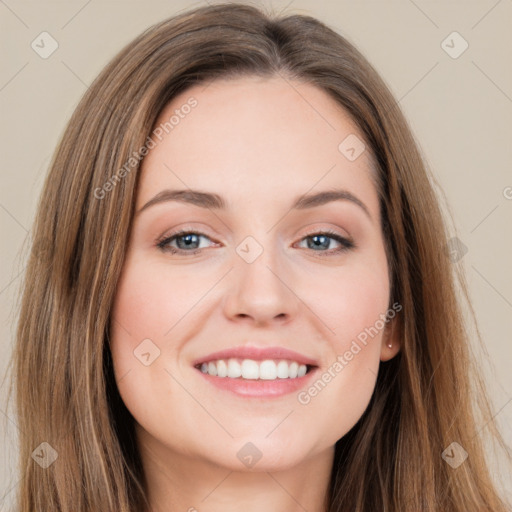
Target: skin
point(259, 143)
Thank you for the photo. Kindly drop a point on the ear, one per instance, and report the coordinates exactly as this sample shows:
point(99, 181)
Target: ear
point(391, 336)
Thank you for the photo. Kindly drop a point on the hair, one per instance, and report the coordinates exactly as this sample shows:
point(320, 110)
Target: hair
point(426, 397)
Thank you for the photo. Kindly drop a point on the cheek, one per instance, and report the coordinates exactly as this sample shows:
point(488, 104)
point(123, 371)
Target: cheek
point(149, 304)
point(145, 309)
point(142, 313)
point(352, 310)
point(351, 302)
point(153, 316)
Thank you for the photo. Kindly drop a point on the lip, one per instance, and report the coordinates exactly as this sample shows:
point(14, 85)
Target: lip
point(258, 388)
point(257, 354)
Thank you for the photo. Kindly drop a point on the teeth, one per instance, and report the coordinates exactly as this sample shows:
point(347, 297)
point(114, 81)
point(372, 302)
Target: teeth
point(254, 370)
point(234, 369)
point(222, 369)
point(268, 370)
point(212, 368)
point(250, 369)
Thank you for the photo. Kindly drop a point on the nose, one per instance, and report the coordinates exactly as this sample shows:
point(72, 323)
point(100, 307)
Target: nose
point(261, 292)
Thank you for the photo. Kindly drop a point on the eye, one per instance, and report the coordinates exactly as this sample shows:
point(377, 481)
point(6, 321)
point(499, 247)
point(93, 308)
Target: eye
point(322, 239)
point(187, 242)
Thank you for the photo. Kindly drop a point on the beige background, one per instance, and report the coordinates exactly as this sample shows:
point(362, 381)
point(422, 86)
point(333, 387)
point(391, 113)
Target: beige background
point(460, 110)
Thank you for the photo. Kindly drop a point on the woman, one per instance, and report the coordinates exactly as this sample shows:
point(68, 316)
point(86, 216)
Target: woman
point(196, 346)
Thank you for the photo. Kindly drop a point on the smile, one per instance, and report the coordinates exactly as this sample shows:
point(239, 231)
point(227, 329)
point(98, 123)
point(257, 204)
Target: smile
point(250, 369)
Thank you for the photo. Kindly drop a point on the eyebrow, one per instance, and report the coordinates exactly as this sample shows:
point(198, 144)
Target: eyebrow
point(215, 202)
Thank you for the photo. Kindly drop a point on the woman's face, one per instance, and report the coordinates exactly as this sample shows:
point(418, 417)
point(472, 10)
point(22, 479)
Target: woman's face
point(253, 271)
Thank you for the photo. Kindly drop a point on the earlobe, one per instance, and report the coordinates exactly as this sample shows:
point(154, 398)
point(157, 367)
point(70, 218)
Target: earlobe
point(390, 341)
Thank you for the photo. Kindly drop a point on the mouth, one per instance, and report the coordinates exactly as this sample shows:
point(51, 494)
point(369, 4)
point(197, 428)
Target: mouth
point(256, 379)
point(251, 369)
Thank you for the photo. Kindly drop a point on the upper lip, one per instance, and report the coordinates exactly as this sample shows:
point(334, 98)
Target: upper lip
point(257, 354)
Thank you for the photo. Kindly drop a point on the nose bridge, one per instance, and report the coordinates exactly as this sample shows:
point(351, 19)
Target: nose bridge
point(259, 286)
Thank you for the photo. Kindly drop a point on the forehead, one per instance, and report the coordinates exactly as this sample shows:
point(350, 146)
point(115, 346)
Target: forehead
point(256, 137)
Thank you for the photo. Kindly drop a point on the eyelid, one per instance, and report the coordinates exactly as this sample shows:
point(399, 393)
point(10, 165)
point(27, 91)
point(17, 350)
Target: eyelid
point(186, 229)
point(331, 230)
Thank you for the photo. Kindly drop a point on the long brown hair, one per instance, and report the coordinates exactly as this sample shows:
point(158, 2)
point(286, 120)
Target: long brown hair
point(430, 395)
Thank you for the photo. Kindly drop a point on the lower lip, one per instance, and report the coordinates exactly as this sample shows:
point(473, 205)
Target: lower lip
point(259, 388)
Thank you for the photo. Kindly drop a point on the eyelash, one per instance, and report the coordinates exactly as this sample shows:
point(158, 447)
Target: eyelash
point(346, 244)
